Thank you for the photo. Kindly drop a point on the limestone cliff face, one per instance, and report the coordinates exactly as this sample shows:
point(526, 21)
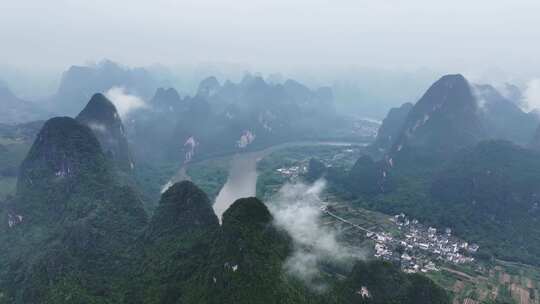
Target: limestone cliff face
point(391, 126)
point(444, 120)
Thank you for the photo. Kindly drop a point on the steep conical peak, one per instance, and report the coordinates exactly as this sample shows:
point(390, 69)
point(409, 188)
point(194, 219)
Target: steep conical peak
point(61, 138)
point(295, 85)
point(168, 95)
point(65, 158)
point(251, 81)
point(453, 80)
point(101, 116)
point(448, 90)
point(183, 206)
point(99, 108)
point(444, 120)
point(502, 118)
point(208, 86)
point(247, 211)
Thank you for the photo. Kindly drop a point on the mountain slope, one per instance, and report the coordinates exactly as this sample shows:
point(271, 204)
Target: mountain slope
point(491, 193)
point(175, 246)
point(391, 126)
point(79, 83)
point(535, 142)
point(69, 221)
point(502, 118)
point(443, 121)
point(16, 110)
point(380, 282)
point(101, 116)
point(442, 171)
point(249, 257)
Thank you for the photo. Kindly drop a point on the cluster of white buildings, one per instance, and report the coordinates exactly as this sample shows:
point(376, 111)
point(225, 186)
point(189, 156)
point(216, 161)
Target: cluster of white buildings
point(294, 171)
point(14, 219)
point(419, 247)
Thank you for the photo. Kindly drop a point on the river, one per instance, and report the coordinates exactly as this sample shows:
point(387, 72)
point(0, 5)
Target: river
point(242, 179)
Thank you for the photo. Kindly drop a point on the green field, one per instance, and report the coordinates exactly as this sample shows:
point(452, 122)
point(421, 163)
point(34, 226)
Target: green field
point(210, 175)
point(270, 180)
point(12, 153)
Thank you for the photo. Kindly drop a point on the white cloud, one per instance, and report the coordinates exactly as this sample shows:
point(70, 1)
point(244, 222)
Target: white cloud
point(479, 96)
point(532, 94)
point(296, 209)
point(97, 127)
point(124, 102)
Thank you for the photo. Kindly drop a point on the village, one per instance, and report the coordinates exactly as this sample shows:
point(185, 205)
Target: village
point(406, 242)
point(421, 246)
point(416, 248)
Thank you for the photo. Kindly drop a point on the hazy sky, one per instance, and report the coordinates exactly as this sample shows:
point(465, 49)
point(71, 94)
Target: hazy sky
point(455, 35)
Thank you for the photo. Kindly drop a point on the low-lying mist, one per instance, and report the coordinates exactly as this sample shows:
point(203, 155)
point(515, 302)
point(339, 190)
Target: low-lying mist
point(297, 209)
point(124, 102)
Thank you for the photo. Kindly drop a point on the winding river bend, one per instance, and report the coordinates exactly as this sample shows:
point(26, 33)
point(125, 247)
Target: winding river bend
point(242, 179)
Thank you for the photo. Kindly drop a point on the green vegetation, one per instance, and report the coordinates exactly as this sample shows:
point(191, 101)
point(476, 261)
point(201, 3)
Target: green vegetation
point(338, 157)
point(150, 178)
point(12, 153)
point(210, 175)
point(487, 194)
point(71, 221)
point(387, 284)
point(416, 184)
point(78, 235)
point(7, 187)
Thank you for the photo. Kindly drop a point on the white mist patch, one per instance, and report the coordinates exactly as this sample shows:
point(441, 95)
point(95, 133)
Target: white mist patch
point(124, 102)
point(246, 139)
point(97, 127)
point(478, 94)
point(166, 186)
point(297, 209)
point(532, 95)
point(190, 145)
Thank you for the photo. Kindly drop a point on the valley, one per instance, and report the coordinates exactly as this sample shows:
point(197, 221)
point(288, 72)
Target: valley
point(469, 278)
point(269, 152)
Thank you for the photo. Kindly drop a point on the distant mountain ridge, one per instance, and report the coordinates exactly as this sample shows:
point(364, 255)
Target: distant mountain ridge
point(79, 83)
point(229, 117)
point(15, 110)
